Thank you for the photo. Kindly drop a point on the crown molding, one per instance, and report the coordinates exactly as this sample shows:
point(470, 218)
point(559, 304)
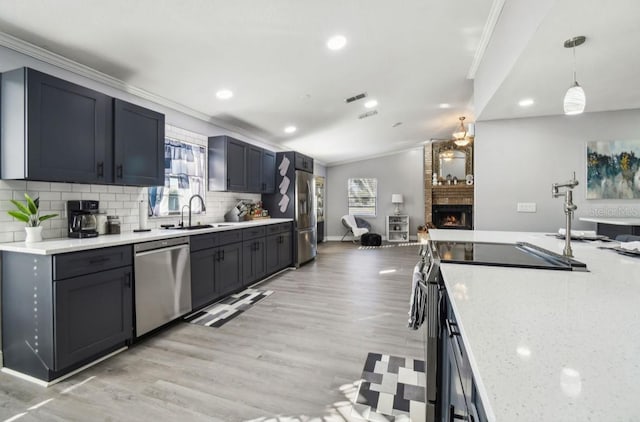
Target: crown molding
point(54, 59)
point(487, 32)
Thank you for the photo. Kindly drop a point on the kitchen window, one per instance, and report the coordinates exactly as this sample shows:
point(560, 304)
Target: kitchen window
point(363, 196)
point(184, 176)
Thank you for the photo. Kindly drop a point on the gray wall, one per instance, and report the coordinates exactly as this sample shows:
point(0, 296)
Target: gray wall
point(517, 161)
point(398, 173)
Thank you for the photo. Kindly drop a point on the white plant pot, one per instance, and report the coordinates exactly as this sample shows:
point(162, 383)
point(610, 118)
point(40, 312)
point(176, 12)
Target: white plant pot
point(34, 234)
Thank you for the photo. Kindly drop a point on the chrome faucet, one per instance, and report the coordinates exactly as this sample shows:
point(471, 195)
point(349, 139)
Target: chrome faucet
point(569, 208)
point(204, 208)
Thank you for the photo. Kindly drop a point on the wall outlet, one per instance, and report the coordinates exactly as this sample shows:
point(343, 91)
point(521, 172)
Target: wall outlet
point(526, 207)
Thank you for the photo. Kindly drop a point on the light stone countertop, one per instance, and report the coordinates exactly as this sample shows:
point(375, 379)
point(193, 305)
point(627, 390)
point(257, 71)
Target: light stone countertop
point(63, 245)
point(550, 345)
point(614, 221)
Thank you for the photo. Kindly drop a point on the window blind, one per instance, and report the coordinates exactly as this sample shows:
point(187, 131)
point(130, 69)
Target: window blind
point(362, 196)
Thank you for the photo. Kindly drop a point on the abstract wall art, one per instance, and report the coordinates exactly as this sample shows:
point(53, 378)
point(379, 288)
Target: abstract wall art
point(613, 169)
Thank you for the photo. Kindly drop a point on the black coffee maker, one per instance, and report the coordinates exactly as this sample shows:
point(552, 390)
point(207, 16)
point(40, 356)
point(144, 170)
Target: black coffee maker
point(82, 218)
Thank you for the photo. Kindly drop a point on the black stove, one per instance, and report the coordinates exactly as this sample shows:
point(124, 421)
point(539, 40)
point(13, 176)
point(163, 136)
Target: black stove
point(520, 255)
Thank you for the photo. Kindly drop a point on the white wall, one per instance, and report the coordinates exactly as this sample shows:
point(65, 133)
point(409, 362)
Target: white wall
point(397, 173)
point(518, 160)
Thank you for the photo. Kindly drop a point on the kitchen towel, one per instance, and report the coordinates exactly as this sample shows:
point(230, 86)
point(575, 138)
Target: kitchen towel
point(578, 234)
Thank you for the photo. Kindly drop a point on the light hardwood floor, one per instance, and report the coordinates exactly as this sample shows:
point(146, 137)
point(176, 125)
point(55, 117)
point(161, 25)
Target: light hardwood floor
point(293, 356)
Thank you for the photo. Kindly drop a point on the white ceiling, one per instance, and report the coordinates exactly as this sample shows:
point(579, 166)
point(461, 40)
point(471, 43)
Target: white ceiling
point(410, 55)
point(607, 64)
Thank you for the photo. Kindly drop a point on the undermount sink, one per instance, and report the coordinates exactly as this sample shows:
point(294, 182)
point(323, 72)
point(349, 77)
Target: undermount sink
point(198, 226)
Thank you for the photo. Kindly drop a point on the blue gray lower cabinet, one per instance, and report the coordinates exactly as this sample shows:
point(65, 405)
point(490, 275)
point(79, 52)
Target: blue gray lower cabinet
point(459, 394)
point(53, 323)
point(225, 262)
point(279, 248)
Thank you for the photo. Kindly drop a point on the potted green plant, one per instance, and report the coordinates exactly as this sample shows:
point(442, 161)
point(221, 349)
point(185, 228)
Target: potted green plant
point(30, 214)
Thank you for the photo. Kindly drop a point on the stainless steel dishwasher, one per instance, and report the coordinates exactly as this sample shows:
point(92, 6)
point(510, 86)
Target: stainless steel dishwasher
point(162, 282)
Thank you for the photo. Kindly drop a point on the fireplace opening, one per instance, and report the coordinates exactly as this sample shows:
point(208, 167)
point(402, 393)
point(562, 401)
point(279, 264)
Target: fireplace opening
point(453, 217)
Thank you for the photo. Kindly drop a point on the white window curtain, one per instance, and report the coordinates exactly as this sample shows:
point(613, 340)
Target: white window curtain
point(362, 196)
point(184, 172)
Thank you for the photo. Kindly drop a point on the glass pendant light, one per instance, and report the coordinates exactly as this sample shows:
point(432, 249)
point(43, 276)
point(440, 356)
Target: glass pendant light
point(574, 99)
point(460, 135)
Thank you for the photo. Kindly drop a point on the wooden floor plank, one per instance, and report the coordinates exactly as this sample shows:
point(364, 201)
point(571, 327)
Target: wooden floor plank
point(295, 354)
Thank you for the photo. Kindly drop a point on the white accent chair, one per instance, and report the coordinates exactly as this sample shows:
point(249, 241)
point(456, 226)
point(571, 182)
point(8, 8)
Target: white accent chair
point(349, 221)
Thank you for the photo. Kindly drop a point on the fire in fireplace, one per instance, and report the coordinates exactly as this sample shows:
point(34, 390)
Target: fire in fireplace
point(453, 217)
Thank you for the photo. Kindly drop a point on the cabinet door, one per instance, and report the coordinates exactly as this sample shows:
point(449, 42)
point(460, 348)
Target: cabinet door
point(236, 165)
point(228, 274)
point(254, 169)
point(69, 131)
point(271, 246)
point(92, 314)
point(138, 145)
point(285, 250)
point(253, 261)
point(203, 283)
point(268, 172)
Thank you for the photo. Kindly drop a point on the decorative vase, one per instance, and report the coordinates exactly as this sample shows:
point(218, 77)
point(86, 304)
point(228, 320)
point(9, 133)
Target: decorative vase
point(34, 234)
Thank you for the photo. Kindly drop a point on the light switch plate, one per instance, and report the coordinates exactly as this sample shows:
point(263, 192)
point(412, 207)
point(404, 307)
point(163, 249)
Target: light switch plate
point(526, 207)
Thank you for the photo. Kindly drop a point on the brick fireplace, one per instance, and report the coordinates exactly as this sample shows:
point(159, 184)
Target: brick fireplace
point(455, 198)
point(453, 217)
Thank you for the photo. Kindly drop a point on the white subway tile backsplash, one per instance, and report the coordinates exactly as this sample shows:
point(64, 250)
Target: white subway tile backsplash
point(107, 197)
point(99, 188)
point(12, 185)
point(123, 197)
point(115, 189)
point(6, 194)
point(6, 237)
point(114, 205)
point(38, 186)
point(51, 196)
point(132, 189)
point(91, 196)
point(68, 196)
point(80, 188)
point(61, 187)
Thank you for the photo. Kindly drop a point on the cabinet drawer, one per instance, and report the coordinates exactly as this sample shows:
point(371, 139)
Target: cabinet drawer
point(253, 233)
point(229, 236)
point(79, 263)
point(203, 241)
point(278, 228)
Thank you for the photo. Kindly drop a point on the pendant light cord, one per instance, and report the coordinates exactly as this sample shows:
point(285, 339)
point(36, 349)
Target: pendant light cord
point(575, 81)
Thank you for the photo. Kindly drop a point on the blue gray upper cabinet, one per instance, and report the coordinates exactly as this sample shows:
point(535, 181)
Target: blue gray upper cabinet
point(66, 129)
point(237, 166)
point(138, 145)
point(54, 130)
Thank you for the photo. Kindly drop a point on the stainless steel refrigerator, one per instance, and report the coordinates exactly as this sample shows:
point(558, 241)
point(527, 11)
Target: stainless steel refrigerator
point(295, 198)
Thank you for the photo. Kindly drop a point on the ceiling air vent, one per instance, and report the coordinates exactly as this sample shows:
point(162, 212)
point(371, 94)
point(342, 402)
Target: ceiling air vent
point(368, 114)
point(355, 98)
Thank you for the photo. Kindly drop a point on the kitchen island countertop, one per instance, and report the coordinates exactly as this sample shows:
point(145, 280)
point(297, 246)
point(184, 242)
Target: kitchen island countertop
point(550, 345)
point(63, 245)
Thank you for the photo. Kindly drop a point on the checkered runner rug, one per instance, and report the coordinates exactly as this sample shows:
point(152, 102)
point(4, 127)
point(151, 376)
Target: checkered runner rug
point(224, 311)
point(392, 389)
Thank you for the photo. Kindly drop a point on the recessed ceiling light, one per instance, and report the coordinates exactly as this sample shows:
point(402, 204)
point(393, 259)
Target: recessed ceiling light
point(290, 129)
point(371, 103)
point(445, 105)
point(224, 94)
point(337, 42)
point(526, 102)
